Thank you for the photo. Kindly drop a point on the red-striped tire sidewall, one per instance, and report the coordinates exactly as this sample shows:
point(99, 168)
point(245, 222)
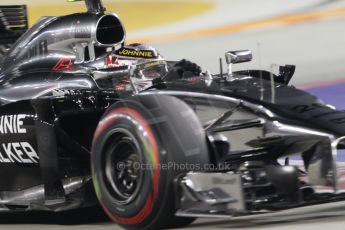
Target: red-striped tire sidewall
point(151, 152)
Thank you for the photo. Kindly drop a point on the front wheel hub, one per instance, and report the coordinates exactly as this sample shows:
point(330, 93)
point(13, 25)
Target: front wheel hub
point(122, 167)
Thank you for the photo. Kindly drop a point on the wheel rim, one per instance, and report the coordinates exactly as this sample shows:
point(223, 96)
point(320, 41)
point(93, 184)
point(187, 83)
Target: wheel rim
point(122, 167)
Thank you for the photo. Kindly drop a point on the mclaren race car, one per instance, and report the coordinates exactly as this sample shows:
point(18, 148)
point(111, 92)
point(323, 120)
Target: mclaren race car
point(87, 120)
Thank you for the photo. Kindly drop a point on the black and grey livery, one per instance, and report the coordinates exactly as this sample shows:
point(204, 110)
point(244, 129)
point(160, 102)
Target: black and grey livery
point(163, 152)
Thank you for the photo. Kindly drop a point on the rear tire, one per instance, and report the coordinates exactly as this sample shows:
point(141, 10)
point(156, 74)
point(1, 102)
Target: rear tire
point(163, 136)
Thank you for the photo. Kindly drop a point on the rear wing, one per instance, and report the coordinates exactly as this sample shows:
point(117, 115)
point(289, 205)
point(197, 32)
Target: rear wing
point(13, 23)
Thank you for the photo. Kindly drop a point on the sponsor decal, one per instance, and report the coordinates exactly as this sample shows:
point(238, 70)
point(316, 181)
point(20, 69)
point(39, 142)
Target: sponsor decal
point(16, 152)
point(63, 64)
point(12, 124)
point(136, 53)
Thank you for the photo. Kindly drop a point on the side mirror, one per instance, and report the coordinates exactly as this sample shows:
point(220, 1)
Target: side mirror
point(234, 57)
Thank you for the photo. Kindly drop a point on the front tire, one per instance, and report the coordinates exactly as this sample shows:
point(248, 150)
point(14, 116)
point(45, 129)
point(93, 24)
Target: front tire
point(139, 147)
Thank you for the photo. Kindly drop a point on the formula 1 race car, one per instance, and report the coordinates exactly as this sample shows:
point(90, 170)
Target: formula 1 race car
point(86, 120)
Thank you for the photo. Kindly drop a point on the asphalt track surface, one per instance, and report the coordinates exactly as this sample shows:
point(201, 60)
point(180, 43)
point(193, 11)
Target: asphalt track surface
point(316, 46)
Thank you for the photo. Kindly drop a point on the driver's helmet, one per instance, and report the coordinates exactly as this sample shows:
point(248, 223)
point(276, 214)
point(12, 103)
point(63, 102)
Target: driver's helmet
point(149, 63)
point(138, 51)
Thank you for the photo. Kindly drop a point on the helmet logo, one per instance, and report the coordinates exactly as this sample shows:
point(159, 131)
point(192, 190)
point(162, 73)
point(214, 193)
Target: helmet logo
point(136, 53)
